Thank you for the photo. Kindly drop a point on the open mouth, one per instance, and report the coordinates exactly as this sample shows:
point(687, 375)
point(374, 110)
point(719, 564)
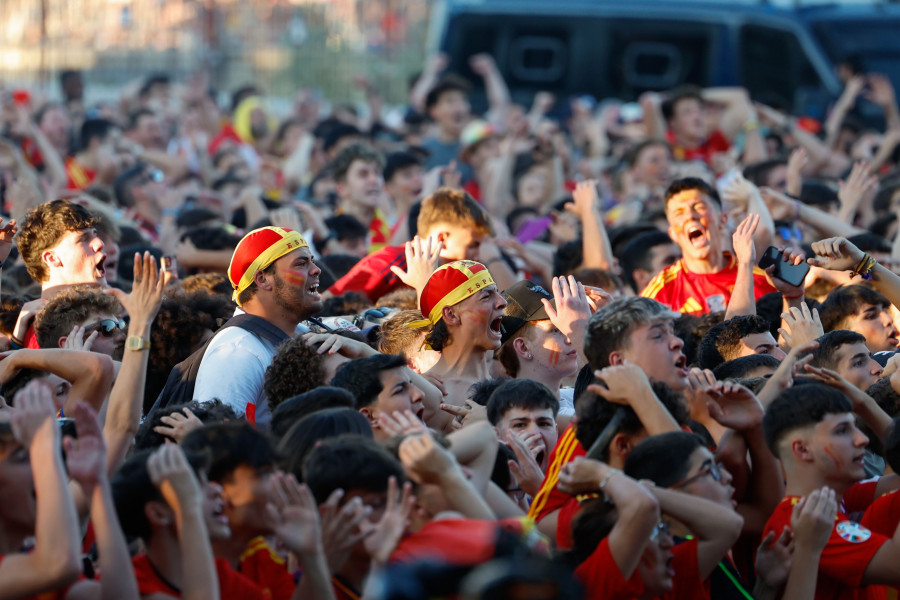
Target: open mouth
point(218, 513)
point(100, 269)
point(495, 327)
point(696, 236)
point(539, 458)
point(670, 569)
point(313, 289)
point(421, 414)
point(860, 459)
point(681, 364)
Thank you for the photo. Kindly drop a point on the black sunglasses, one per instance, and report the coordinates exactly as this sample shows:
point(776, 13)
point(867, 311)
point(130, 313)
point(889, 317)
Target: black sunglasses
point(106, 327)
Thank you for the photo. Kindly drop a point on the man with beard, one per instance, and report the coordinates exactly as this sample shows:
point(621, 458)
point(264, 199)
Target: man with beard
point(703, 280)
point(274, 278)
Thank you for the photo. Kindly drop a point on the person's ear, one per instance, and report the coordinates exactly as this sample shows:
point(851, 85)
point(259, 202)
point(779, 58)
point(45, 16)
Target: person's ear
point(616, 358)
point(262, 281)
point(61, 342)
point(369, 413)
point(450, 316)
point(158, 514)
point(670, 231)
point(800, 450)
point(49, 257)
point(620, 446)
point(442, 236)
point(520, 345)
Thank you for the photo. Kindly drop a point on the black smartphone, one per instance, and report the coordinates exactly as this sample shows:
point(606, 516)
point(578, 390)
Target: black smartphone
point(793, 274)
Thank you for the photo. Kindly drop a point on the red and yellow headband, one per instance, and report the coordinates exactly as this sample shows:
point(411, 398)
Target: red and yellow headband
point(256, 251)
point(449, 285)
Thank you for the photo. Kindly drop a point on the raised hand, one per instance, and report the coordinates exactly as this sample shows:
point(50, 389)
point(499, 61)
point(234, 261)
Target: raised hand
point(342, 527)
point(8, 231)
point(33, 413)
point(178, 424)
point(424, 460)
point(382, 537)
point(795, 165)
point(143, 303)
point(742, 240)
point(791, 367)
point(624, 383)
point(422, 259)
point(738, 190)
point(584, 198)
point(860, 183)
point(787, 290)
point(170, 472)
point(835, 254)
point(401, 423)
point(572, 310)
point(801, 326)
point(526, 469)
point(732, 405)
point(294, 515)
point(76, 340)
point(813, 519)
point(467, 414)
point(582, 476)
point(773, 558)
point(86, 455)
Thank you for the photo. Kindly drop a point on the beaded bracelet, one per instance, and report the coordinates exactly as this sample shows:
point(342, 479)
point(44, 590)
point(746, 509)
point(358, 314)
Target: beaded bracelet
point(864, 268)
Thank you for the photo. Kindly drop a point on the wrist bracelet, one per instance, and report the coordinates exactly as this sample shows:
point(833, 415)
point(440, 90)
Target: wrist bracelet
point(864, 268)
point(800, 295)
point(606, 479)
point(15, 343)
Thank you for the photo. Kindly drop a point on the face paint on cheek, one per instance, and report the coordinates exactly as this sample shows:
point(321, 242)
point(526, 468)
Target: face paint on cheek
point(830, 452)
point(477, 316)
point(295, 277)
point(554, 358)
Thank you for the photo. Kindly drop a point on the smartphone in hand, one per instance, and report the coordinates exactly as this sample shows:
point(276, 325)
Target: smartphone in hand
point(792, 274)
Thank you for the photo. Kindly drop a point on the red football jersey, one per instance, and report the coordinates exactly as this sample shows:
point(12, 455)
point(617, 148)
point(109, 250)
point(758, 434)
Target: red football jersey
point(262, 565)
point(697, 293)
point(232, 585)
point(549, 498)
point(883, 517)
point(844, 559)
point(714, 144)
point(603, 580)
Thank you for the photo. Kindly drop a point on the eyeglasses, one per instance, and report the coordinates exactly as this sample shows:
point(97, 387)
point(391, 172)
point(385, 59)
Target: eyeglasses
point(713, 469)
point(662, 528)
point(106, 327)
point(516, 493)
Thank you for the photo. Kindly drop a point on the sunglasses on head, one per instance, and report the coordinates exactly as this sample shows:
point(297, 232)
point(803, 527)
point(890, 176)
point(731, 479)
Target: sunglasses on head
point(106, 327)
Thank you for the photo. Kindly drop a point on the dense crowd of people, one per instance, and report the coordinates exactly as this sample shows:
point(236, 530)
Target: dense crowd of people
point(571, 350)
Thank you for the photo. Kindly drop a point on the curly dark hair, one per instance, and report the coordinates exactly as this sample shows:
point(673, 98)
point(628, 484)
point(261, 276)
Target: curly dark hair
point(295, 369)
point(69, 308)
point(43, 228)
point(211, 283)
point(179, 329)
point(351, 303)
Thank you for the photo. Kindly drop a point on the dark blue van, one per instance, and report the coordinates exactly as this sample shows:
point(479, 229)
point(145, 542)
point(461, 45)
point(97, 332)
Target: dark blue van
point(785, 55)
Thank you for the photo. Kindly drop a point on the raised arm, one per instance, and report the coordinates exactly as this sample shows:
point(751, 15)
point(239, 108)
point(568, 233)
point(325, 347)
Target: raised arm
point(123, 414)
point(742, 301)
point(55, 560)
point(838, 254)
point(716, 527)
point(638, 510)
point(628, 384)
point(596, 249)
point(90, 373)
point(170, 472)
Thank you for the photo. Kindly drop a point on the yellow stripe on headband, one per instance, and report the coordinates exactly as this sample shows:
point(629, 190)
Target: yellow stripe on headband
point(481, 280)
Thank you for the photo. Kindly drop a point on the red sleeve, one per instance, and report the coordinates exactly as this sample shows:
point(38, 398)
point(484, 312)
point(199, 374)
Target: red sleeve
point(31, 338)
point(564, 523)
point(884, 515)
point(717, 142)
point(148, 581)
point(372, 275)
point(603, 580)
point(687, 583)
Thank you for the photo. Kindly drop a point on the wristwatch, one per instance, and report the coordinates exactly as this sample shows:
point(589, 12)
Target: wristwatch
point(137, 343)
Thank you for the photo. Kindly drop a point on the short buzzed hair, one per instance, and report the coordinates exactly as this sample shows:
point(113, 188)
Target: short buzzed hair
point(609, 327)
point(825, 356)
point(722, 341)
point(692, 183)
point(801, 406)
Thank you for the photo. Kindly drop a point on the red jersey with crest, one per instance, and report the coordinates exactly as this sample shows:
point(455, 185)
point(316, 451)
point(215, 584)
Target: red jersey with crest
point(847, 554)
point(264, 567)
point(232, 585)
point(699, 293)
point(883, 517)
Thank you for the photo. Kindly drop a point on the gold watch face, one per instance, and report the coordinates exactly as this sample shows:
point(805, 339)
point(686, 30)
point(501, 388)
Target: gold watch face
point(136, 343)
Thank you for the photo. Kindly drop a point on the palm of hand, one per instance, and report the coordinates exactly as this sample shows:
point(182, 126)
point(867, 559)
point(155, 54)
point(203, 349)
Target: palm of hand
point(86, 460)
point(298, 529)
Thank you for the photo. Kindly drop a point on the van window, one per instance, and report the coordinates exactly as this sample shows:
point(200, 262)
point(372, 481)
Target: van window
point(774, 65)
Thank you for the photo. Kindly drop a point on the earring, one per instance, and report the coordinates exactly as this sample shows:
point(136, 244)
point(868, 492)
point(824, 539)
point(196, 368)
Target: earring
point(530, 356)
